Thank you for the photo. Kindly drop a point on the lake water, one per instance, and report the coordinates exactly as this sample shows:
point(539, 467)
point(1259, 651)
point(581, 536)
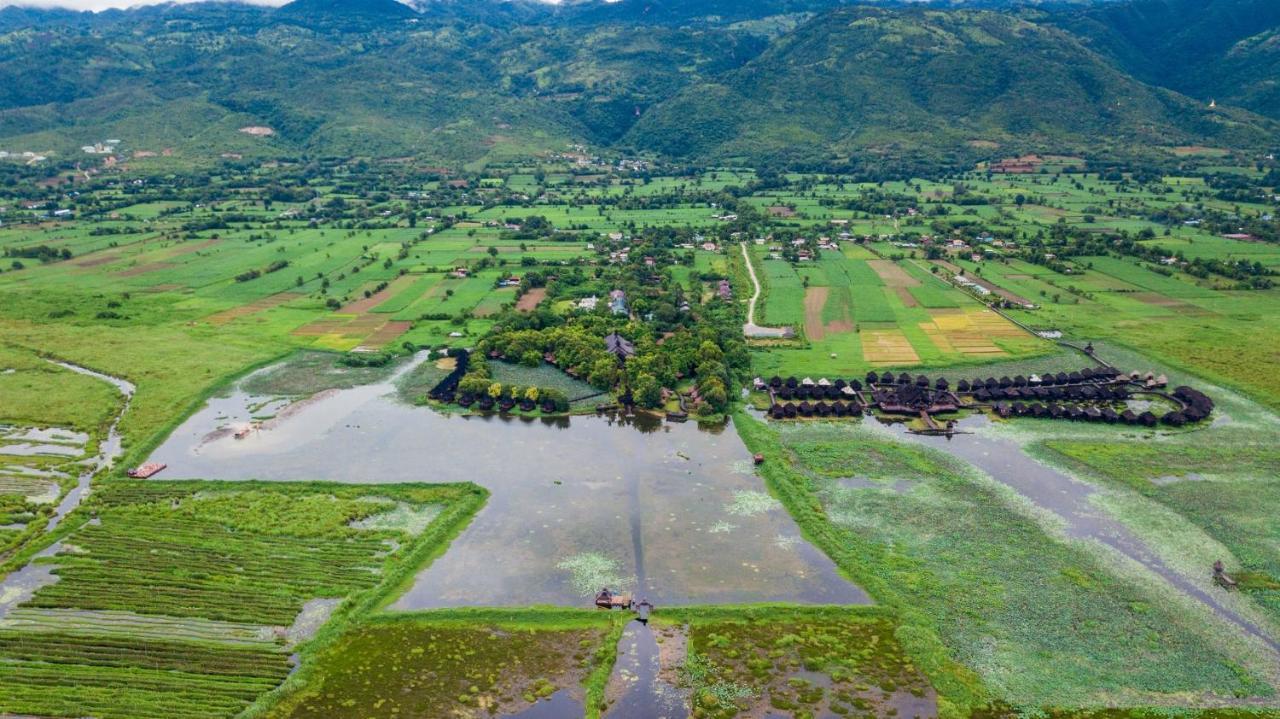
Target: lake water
point(672, 512)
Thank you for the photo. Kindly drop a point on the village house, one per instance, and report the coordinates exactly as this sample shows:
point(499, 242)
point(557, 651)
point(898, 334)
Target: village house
point(618, 302)
point(589, 303)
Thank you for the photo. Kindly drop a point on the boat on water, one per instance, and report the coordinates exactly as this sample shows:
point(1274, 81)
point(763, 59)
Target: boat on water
point(143, 471)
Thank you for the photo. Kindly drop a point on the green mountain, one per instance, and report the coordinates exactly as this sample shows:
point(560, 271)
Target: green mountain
point(1225, 50)
point(894, 79)
point(458, 81)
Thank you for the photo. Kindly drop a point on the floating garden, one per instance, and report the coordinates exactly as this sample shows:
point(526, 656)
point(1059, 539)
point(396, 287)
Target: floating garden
point(186, 599)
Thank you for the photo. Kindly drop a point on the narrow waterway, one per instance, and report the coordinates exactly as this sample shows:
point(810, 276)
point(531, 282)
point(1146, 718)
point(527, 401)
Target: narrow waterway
point(108, 450)
point(22, 584)
point(636, 689)
point(1006, 462)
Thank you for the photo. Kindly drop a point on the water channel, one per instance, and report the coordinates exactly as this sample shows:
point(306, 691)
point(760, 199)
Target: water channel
point(1068, 498)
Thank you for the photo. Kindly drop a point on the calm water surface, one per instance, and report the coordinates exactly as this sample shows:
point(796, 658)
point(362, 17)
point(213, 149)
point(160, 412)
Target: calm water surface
point(673, 512)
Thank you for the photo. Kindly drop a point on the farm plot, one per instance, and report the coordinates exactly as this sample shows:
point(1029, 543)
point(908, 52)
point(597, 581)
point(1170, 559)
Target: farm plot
point(253, 308)
point(870, 303)
point(185, 599)
point(887, 348)
point(896, 279)
point(1134, 274)
point(784, 303)
point(971, 332)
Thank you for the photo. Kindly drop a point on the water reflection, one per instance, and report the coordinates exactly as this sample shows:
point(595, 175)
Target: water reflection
point(672, 512)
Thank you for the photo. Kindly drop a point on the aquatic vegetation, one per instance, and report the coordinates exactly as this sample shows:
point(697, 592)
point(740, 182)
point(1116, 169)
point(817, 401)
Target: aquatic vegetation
point(721, 527)
point(804, 662)
point(590, 571)
point(442, 667)
point(750, 503)
point(403, 517)
point(1001, 607)
point(783, 541)
point(704, 681)
point(307, 373)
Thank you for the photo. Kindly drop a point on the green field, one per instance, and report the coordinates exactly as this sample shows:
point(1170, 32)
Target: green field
point(212, 599)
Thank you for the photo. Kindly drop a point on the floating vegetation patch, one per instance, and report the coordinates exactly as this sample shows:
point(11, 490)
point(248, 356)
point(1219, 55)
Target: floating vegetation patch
point(307, 373)
point(786, 542)
point(749, 503)
point(721, 528)
point(403, 517)
point(588, 572)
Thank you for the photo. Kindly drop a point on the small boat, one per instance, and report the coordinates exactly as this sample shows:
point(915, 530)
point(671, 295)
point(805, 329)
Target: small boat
point(144, 471)
point(610, 600)
point(242, 433)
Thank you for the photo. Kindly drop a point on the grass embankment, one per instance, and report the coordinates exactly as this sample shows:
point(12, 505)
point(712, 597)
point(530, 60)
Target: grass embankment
point(992, 605)
point(177, 601)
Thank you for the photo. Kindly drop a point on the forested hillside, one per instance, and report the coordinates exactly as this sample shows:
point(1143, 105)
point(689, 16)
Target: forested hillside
point(789, 81)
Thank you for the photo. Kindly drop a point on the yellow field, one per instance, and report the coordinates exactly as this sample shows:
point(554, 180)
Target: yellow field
point(884, 348)
point(969, 331)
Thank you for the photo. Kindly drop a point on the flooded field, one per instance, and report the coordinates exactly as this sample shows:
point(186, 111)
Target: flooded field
point(1069, 498)
point(671, 512)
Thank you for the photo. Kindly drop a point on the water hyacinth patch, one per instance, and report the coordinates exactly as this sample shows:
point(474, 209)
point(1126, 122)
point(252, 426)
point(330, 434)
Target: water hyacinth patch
point(588, 572)
point(751, 503)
